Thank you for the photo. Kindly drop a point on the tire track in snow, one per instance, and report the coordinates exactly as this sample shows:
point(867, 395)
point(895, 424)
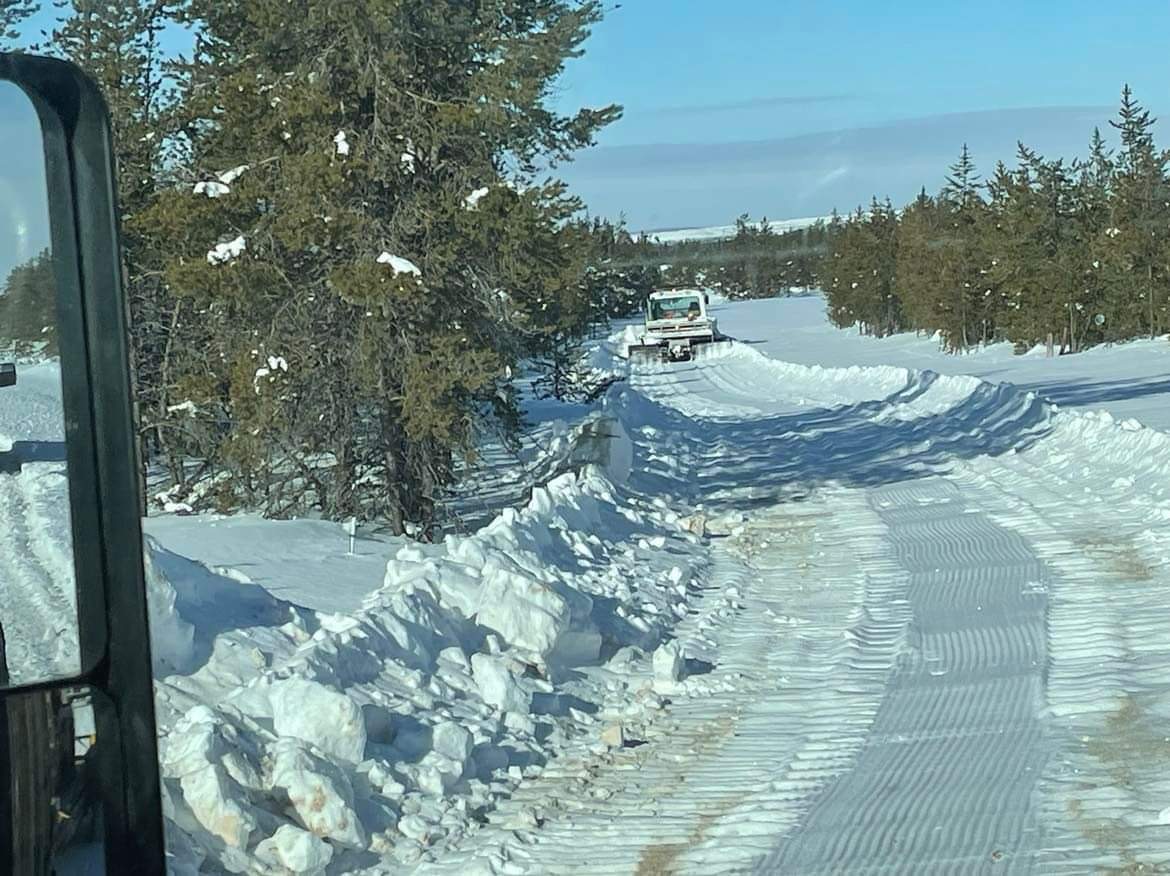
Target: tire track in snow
point(946, 779)
point(801, 670)
point(37, 602)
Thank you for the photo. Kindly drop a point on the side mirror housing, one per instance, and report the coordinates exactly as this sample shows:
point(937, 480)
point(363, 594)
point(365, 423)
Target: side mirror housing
point(106, 687)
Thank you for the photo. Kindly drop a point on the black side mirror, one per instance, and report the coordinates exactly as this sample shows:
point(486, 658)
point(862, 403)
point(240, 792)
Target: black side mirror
point(78, 747)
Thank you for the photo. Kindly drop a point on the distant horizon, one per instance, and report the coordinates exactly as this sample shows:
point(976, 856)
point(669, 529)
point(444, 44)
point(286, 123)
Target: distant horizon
point(756, 73)
point(783, 112)
point(701, 185)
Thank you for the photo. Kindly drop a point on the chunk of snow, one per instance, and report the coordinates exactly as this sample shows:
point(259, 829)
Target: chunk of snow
point(668, 662)
point(407, 158)
point(172, 639)
point(221, 185)
point(225, 252)
point(341, 143)
point(471, 202)
point(212, 188)
point(452, 740)
point(295, 850)
point(319, 792)
point(496, 684)
point(613, 736)
point(230, 176)
point(399, 264)
point(314, 713)
point(524, 611)
point(195, 753)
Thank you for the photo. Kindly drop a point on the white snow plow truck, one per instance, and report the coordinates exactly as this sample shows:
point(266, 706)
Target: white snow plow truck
point(677, 325)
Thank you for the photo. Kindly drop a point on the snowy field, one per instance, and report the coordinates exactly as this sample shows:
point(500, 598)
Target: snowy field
point(815, 603)
point(1128, 380)
point(722, 232)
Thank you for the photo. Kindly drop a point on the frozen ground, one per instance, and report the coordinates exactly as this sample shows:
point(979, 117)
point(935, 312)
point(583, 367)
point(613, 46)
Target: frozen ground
point(814, 604)
point(721, 232)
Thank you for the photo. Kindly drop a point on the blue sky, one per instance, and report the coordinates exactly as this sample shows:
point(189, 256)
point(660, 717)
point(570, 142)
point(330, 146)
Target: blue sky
point(789, 108)
point(820, 85)
point(24, 213)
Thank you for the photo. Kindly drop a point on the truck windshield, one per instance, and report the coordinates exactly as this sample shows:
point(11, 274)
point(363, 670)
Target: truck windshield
point(675, 308)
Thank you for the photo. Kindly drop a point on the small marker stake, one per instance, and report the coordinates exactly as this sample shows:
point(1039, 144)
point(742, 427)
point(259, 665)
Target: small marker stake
point(351, 530)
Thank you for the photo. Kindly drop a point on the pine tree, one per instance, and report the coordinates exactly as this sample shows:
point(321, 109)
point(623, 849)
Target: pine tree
point(117, 43)
point(960, 261)
point(1094, 190)
point(396, 261)
point(28, 306)
point(1133, 248)
point(13, 14)
point(1033, 241)
point(917, 273)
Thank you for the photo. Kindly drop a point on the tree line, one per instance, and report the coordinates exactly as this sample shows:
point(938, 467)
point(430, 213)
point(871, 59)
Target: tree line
point(1064, 253)
point(757, 261)
point(343, 237)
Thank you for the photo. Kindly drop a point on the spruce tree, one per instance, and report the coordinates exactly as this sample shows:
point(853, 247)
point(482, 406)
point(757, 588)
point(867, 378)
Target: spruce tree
point(1133, 248)
point(117, 43)
point(917, 273)
point(13, 14)
point(1094, 189)
point(395, 258)
point(960, 260)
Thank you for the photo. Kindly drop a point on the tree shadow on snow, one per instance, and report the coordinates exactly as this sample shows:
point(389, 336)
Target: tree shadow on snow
point(1078, 393)
point(736, 463)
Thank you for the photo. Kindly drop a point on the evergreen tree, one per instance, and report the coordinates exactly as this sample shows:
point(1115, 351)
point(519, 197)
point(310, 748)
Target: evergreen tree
point(862, 265)
point(1094, 188)
point(13, 14)
point(1133, 248)
point(917, 273)
point(1033, 242)
point(28, 303)
point(395, 261)
point(117, 43)
point(960, 260)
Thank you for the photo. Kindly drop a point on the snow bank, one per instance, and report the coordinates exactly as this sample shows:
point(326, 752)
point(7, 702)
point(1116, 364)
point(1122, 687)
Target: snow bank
point(384, 728)
point(172, 639)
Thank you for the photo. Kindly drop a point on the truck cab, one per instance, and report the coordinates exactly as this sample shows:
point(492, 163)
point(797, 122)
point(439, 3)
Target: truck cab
point(676, 321)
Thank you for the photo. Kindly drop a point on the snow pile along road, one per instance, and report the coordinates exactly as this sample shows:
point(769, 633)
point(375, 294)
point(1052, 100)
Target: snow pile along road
point(382, 735)
point(745, 614)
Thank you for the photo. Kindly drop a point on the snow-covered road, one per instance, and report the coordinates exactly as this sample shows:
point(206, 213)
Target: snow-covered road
point(37, 594)
point(817, 604)
point(928, 669)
